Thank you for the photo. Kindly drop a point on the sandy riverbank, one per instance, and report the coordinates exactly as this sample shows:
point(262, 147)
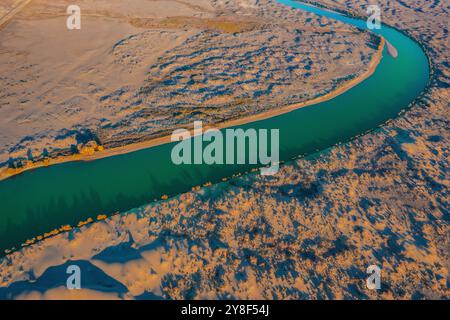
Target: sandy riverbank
point(7, 172)
point(18, 6)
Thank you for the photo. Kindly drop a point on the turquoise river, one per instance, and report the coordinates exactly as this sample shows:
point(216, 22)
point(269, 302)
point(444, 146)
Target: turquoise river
point(43, 199)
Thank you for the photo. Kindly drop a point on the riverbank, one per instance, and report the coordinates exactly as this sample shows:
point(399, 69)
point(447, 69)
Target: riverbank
point(6, 173)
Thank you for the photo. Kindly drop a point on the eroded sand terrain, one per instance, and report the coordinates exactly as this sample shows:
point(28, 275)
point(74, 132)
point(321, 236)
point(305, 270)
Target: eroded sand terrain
point(139, 69)
point(309, 232)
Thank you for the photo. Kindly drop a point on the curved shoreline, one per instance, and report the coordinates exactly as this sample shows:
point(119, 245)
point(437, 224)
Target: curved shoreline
point(8, 172)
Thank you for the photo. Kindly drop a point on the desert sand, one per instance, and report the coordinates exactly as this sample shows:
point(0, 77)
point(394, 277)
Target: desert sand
point(103, 153)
